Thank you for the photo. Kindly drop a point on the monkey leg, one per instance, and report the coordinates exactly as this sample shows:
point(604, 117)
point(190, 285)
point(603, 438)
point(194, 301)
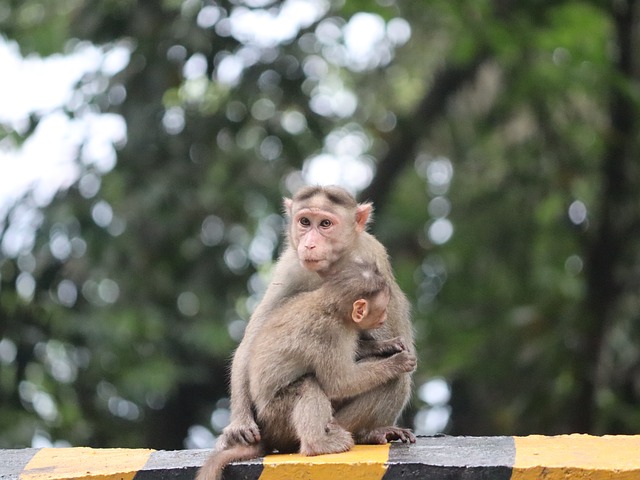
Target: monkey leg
point(276, 425)
point(371, 417)
point(312, 418)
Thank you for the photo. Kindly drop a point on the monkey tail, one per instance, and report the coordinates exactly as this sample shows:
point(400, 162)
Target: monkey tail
point(213, 466)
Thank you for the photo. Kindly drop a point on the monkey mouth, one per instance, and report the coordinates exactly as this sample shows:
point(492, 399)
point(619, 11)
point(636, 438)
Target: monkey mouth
point(312, 260)
point(312, 263)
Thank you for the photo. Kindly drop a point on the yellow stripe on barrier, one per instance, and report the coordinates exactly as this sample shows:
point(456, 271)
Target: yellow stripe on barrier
point(362, 462)
point(569, 457)
point(79, 463)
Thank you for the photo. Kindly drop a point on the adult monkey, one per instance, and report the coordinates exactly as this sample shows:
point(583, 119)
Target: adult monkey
point(305, 355)
point(327, 229)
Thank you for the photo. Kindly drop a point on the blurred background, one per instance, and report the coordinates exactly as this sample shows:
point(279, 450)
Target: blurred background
point(145, 147)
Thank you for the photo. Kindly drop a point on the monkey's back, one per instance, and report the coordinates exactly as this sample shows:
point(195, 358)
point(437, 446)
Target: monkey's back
point(399, 310)
point(292, 341)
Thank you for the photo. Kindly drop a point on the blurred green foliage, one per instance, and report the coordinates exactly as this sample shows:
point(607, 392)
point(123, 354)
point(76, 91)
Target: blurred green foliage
point(503, 141)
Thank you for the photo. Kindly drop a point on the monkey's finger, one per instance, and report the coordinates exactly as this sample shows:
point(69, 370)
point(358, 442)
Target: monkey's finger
point(256, 434)
point(250, 436)
point(408, 437)
point(399, 344)
point(239, 437)
point(235, 438)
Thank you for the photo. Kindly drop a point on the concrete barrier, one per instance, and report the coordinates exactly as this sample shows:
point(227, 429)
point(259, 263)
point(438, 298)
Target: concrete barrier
point(565, 457)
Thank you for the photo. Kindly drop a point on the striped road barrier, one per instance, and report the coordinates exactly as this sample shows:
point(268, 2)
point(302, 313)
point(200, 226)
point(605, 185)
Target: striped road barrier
point(564, 457)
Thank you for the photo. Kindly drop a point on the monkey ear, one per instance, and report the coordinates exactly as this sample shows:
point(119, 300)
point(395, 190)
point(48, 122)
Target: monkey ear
point(287, 203)
point(364, 214)
point(359, 310)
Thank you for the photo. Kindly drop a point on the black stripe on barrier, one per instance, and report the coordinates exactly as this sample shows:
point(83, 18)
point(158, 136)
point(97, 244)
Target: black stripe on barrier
point(184, 464)
point(249, 470)
point(172, 465)
point(448, 458)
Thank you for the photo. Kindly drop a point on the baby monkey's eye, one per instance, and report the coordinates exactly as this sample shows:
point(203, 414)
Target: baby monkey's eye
point(304, 221)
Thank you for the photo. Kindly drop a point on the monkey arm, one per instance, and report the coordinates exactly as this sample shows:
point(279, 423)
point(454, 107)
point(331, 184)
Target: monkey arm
point(242, 429)
point(370, 347)
point(240, 398)
point(349, 379)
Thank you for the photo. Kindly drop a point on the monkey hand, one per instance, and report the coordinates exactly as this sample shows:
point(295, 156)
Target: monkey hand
point(239, 433)
point(384, 435)
point(404, 362)
point(392, 345)
point(380, 348)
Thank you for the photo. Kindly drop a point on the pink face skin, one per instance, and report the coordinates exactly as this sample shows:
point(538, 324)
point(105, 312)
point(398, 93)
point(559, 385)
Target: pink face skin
point(371, 314)
point(319, 233)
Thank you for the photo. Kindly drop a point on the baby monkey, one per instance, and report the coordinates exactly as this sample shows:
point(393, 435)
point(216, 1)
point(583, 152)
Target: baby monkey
point(307, 355)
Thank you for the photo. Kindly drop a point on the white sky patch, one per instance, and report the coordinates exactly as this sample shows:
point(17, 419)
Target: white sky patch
point(365, 42)
point(262, 29)
point(343, 162)
point(34, 85)
point(42, 163)
point(360, 45)
point(331, 98)
point(354, 174)
point(48, 160)
point(267, 29)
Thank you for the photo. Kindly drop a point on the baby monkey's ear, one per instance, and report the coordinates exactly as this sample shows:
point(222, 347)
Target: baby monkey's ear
point(360, 308)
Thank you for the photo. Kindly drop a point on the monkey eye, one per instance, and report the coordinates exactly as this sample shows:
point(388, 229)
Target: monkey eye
point(304, 221)
point(325, 223)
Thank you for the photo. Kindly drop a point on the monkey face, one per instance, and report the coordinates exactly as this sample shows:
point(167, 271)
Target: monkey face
point(325, 223)
point(320, 237)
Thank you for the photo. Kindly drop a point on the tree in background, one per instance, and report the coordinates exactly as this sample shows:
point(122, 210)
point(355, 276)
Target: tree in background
point(498, 141)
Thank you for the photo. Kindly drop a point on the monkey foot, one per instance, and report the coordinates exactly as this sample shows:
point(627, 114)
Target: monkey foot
point(384, 435)
point(239, 434)
point(336, 440)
